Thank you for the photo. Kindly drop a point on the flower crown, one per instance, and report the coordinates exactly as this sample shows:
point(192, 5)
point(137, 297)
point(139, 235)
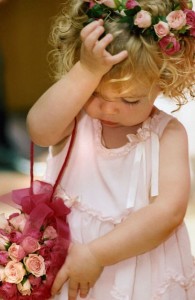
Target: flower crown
point(166, 30)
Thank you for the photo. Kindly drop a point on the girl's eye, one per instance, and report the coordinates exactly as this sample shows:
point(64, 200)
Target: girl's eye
point(131, 103)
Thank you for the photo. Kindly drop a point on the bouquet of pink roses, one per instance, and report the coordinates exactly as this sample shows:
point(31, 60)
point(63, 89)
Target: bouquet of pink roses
point(33, 244)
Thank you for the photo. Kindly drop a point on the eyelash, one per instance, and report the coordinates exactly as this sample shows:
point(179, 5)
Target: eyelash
point(131, 103)
point(95, 94)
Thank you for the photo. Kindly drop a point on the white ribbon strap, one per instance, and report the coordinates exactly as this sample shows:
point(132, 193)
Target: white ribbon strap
point(155, 164)
point(135, 175)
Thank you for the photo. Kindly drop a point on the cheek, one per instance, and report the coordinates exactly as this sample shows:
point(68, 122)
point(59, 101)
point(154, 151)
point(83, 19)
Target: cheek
point(91, 107)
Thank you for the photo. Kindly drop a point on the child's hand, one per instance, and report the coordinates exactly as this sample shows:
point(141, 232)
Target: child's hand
point(82, 270)
point(94, 56)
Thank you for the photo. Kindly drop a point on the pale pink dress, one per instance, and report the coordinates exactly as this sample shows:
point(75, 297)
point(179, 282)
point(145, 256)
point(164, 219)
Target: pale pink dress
point(103, 186)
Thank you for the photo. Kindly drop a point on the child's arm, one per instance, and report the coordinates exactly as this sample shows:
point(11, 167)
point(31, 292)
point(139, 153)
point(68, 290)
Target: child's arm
point(144, 229)
point(50, 119)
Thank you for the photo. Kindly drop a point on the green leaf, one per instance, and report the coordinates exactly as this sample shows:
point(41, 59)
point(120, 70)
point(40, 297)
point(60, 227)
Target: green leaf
point(129, 20)
point(24, 280)
point(96, 11)
point(43, 277)
point(132, 12)
point(7, 246)
point(169, 46)
point(183, 30)
point(163, 18)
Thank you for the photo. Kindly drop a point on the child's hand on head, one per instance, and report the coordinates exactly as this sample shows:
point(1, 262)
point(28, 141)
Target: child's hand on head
point(81, 269)
point(94, 55)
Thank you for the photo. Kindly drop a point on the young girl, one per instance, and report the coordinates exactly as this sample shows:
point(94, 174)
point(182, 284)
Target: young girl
point(128, 179)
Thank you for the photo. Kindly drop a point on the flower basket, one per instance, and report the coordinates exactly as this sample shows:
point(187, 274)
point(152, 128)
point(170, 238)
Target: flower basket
point(35, 241)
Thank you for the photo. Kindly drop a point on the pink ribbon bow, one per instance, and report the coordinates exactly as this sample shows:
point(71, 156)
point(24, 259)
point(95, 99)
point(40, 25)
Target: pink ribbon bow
point(40, 207)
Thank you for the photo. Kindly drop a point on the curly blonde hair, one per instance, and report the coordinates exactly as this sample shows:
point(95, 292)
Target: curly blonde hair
point(146, 63)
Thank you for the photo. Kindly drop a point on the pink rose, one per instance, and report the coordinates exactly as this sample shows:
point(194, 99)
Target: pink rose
point(176, 19)
point(35, 264)
point(15, 236)
point(45, 252)
point(4, 258)
point(190, 20)
point(30, 244)
point(18, 222)
point(4, 223)
point(109, 3)
point(192, 32)
point(91, 3)
point(2, 273)
point(4, 241)
point(161, 29)
point(14, 272)
point(143, 19)
point(130, 4)
point(16, 252)
point(169, 45)
point(49, 243)
point(25, 288)
point(8, 290)
point(50, 233)
point(34, 281)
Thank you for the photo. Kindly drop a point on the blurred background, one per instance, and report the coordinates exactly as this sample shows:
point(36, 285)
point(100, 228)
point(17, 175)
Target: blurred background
point(25, 75)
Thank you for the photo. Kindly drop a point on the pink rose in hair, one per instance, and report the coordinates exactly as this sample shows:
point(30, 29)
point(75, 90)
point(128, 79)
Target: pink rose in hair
point(190, 20)
point(130, 4)
point(176, 19)
point(35, 264)
point(16, 252)
point(91, 3)
point(192, 32)
point(14, 272)
point(109, 3)
point(161, 29)
point(30, 244)
point(169, 45)
point(4, 258)
point(143, 19)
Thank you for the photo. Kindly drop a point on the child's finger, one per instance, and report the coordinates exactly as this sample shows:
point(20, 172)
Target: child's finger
point(117, 58)
point(102, 44)
point(93, 37)
point(84, 289)
point(90, 28)
point(73, 289)
point(60, 279)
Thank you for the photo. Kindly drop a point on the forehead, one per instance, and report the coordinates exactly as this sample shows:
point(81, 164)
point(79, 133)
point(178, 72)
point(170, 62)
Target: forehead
point(130, 91)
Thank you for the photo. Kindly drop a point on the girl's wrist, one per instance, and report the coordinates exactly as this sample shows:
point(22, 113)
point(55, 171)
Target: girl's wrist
point(93, 74)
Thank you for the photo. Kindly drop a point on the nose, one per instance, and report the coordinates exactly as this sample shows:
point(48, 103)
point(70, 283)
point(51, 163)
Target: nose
point(109, 108)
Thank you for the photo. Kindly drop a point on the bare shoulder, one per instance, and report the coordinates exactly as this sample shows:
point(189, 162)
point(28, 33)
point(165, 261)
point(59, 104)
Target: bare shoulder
point(174, 134)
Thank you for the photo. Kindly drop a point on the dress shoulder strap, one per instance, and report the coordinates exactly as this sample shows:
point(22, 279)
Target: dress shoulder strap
point(159, 122)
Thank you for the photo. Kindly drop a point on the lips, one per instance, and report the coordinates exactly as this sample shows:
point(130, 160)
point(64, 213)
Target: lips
point(109, 123)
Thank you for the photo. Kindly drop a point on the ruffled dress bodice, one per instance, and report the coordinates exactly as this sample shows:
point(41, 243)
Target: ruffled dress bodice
point(102, 186)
